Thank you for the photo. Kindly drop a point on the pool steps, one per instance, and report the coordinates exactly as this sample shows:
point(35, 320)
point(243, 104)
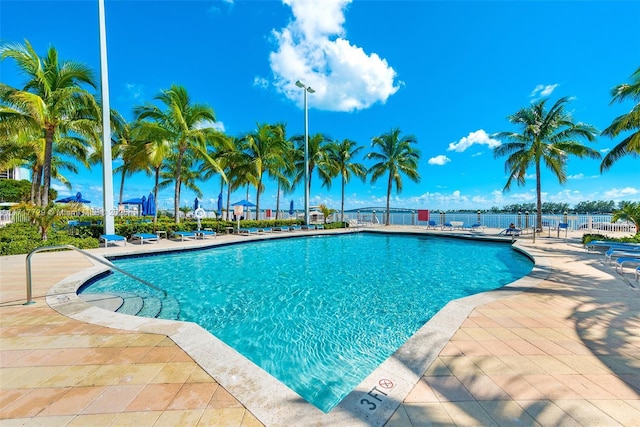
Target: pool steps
point(135, 305)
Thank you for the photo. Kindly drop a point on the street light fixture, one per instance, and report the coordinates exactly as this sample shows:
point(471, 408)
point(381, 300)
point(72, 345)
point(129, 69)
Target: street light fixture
point(306, 150)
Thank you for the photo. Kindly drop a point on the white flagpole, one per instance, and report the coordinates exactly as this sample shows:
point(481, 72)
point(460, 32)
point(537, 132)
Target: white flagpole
point(107, 178)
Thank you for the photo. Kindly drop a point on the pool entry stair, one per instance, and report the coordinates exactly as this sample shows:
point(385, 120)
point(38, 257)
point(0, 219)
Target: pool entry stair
point(135, 305)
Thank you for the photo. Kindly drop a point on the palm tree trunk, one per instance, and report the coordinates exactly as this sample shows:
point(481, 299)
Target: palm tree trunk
point(258, 198)
point(388, 220)
point(46, 167)
point(342, 204)
point(155, 198)
point(35, 184)
point(176, 195)
point(539, 197)
point(121, 187)
point(278, 202)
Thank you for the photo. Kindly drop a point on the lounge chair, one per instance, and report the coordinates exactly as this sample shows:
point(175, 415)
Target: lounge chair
point(144, 236)
point(106, 238)
point(265, 230)
point(183, 234)
point(622, 261)
point(605, 245)
point(510, 232)
point(295, 228)
point(320, 227)
point(447, 225)
point(638, 274)
point(616, 252)
point(206, 233)
point(248, 231)
point(431, 225)
point(477, 228)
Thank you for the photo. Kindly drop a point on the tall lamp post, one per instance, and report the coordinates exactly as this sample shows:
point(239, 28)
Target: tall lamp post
point(306, 150)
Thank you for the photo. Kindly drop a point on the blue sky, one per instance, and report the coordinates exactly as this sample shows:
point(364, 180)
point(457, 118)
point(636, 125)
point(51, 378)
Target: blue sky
point(447, 72)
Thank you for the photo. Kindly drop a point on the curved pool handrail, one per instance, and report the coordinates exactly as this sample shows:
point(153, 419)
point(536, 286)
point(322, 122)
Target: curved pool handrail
point(85, 253)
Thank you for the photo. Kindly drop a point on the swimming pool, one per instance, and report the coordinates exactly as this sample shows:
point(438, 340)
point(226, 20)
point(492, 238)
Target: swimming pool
point(321, 313)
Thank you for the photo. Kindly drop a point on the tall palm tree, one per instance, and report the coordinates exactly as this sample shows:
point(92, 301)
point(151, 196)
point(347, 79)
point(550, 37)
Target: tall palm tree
point(265, 148)
point(397, 156)
point(341, 155)
point(283, 168)
point(627, 122)
point(52, 101)
point(547, 136)
point(184, 124)
point(317, 154)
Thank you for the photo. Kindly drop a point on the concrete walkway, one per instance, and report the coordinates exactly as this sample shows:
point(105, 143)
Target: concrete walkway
point(563, 353)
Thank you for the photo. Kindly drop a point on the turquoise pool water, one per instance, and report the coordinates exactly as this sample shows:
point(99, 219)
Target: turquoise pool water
point(321, 313)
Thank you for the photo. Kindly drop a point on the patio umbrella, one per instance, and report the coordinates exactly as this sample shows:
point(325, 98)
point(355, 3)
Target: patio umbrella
point(144, 206)
point(74, 199)
point(196, 204)
point(220, 205)
point(243, 203)
point(134, 201)
point(151, 205)
point(291, 208)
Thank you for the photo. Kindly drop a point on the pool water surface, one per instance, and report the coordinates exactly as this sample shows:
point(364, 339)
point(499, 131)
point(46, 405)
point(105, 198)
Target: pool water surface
point(321, 313)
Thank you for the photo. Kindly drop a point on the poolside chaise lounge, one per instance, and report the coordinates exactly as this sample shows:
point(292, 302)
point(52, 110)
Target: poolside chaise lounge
point(616, 252)
point(183, 234)
point(248, 231)
point(145, 236)
point(206, 233)
point(622, 261)
point(431, 225)
point(604, 245)
point(511, 232)
point(477, 227)
point(638, 274)
point(265, 230)
point(106, 238)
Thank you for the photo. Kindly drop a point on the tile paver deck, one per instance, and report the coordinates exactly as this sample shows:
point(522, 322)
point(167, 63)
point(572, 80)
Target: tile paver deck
point(566, 352)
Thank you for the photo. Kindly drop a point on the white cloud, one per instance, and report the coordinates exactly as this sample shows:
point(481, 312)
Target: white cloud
point(217, 125)
point(617, 193)
point(134, 91)
point(576, 176)
point(261, 82)
point(439, 160)
point(543, 90)
point(479, 137)
point(312, 48)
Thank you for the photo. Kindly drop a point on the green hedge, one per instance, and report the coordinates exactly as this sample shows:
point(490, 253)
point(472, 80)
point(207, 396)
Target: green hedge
point(22, 238)
point(586, 238)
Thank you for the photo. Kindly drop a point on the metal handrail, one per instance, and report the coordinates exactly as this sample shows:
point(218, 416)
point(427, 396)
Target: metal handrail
point(85, 253)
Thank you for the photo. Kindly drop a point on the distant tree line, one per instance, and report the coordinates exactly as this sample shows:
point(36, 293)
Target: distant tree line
point(595, 206)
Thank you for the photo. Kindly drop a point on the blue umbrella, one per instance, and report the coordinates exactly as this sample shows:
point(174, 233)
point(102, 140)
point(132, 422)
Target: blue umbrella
point(196, 204)
point(291, 208)
point(74, 199)
point(220, 204)
point(134, 201)
point(151, 205)
point(243, 203)
point(144, 206)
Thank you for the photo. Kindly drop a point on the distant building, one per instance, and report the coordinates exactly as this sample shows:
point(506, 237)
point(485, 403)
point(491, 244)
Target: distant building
point(15, 173)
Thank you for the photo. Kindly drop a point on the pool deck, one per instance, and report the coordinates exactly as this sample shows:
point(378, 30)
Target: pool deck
point(559, 347)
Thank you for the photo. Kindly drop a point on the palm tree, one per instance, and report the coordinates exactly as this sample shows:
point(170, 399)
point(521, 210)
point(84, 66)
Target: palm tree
point(547, 136)
point(397, 156)
point(51, 101)
point(317, 154)
point(184, 124)
point(341, 156)
point(629, 212)
point(627, 122)
point(265, 148)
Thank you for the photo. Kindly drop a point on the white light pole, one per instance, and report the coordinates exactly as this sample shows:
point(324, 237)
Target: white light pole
point(107, 178)
point(306, 150)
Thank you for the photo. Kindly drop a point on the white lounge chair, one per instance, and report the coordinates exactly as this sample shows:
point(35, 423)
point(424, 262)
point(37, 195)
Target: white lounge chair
point(144, 236)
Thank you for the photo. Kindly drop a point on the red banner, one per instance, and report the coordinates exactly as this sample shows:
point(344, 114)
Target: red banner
point(423, 215)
